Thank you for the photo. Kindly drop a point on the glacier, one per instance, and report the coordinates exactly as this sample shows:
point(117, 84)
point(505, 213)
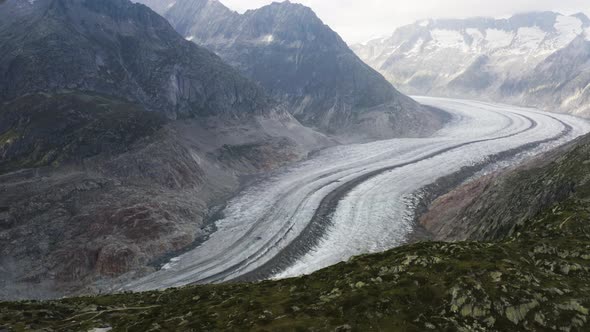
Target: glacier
point(373, 214)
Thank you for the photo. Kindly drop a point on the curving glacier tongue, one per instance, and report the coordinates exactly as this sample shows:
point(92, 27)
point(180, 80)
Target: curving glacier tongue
point(368, 189)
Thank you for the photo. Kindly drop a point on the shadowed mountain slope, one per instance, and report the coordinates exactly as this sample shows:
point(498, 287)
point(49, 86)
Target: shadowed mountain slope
point(305, 64)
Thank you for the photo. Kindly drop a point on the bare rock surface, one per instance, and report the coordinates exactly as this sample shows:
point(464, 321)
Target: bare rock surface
point(304, 64)
point(496, 206)
point(117, 139)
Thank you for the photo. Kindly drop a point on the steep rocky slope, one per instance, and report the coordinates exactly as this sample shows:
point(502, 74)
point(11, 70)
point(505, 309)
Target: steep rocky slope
point(42, 130)
point(534, 276)
point(303, 63)
point(159, 6)
point(117, 136)
point(118, 49)
point(561, 81)
point(498, 205)
point(524, 59)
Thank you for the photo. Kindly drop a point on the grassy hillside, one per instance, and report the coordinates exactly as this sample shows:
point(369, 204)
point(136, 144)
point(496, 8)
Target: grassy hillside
point(42, 129)
point(535, 281)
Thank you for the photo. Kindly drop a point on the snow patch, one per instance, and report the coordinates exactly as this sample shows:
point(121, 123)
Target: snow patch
point(568, 28)
point(475, 34)
point(477, 43)
point(424, 23)
point(100, 329)
point(173, 89)
point(579, 93)
point(190, 38)
point(498, 38)
point(416, 49)
point(530, 38)
point(391, 50)
point(268, 39)
point(541, 87)
point(447, 38)
point(173, 262)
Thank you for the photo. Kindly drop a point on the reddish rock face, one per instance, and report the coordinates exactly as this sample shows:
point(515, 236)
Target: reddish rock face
point(497, 206)
point(116, 259)
point(445, 209)
point(74, 264)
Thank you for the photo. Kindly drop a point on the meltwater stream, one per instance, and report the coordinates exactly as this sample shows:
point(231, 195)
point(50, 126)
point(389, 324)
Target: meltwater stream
point(350, 200)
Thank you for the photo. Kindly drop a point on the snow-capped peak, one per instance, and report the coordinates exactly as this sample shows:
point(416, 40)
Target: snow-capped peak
point(568, 28)
point(428, 58)
point(424, 23)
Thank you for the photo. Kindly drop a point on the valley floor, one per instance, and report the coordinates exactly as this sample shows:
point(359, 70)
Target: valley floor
point(357, 199)
point(534, 276)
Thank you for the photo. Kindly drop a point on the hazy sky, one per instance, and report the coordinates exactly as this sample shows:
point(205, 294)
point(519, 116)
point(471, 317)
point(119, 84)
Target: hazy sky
point(362, 20)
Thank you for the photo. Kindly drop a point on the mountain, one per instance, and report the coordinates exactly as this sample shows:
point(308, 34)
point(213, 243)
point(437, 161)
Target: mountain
point(529, 273)
point(501, 59)
point(159, 6)
point(561, 81)
point(117, 139)
point(97, 50)
point(303, 63)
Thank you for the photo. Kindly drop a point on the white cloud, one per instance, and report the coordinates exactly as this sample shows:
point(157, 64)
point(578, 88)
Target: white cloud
point(361, 20)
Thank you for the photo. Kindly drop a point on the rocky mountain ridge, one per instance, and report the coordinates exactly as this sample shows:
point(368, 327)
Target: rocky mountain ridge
point(104, 48)
point(301, 62)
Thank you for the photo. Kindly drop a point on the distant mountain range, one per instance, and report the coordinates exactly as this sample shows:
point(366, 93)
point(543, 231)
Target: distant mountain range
point(539, 59)
point(304, 64)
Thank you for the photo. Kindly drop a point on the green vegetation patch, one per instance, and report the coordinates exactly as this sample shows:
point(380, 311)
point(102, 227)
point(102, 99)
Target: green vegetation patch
point(43, 130)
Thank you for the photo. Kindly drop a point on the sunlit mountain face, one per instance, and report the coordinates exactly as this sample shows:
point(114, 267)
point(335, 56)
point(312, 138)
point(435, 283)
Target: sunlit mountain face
point(521, 59)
